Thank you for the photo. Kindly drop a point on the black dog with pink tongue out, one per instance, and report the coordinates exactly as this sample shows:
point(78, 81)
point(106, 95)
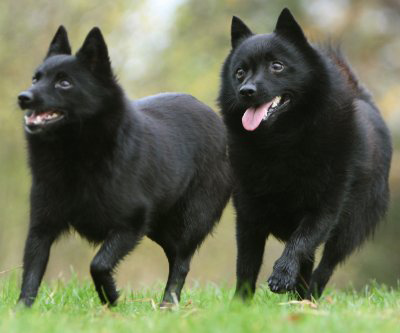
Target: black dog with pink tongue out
point(117, 170)
point(310, 156)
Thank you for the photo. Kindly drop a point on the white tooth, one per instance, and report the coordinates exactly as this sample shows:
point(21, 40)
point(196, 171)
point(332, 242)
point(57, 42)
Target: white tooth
point(276, 101)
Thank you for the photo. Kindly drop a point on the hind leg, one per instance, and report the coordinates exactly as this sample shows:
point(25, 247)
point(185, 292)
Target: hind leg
point(185, 232)
point(335, 251)
point(304, 278)
point(356, 223)
point(188, 225)
point(179, 266)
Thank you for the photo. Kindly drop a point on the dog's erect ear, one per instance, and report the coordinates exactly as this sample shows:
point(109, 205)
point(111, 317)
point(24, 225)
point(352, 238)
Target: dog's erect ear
point(288, 27)
point(60, 43)
point(239, 31)
point(94, 54)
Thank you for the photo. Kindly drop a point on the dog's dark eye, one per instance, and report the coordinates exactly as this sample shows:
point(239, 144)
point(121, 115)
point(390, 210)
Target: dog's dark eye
point(240, 73)
point(36, 77)
point(276, 67)
point(64, 84)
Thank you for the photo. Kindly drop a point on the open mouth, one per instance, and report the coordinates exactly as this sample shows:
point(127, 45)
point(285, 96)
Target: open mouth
point(253, 116)
point(36, 121)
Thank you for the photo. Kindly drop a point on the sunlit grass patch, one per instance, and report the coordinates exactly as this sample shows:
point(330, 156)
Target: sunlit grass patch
point(73, 306)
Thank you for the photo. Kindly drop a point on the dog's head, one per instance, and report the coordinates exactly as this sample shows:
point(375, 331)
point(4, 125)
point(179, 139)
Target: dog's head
point(266, 75)
point(68, 89)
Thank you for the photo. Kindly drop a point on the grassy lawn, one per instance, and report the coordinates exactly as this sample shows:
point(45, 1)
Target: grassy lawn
point(74, 307)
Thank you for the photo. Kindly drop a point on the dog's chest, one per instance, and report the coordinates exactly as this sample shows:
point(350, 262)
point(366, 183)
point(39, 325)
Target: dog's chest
point(281, 181)
point(89, 213)
point(84, 202)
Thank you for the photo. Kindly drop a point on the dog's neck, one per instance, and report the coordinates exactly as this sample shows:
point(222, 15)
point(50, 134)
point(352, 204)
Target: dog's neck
point(93, 140)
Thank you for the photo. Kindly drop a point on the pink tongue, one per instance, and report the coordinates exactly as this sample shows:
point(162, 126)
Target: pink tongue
point(253, 116)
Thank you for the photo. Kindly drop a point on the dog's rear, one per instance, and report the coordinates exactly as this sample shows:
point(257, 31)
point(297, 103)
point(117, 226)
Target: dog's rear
point(367, 195)
point(371, 188)
point(181, 228)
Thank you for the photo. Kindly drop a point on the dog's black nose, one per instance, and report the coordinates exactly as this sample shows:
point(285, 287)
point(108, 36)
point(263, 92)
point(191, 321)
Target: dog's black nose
point(248, 90)
point(25, 98)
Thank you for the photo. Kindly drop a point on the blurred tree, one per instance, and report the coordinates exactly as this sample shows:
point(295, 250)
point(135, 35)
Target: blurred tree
point(200, 40)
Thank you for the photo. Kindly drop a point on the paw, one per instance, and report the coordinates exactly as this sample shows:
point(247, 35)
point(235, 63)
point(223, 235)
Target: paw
point(25, 302)
point(244, 294)
point(167, 306)
point(282, 280)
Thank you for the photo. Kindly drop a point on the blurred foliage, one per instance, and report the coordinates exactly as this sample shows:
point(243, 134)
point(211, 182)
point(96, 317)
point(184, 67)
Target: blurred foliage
point(178, 45)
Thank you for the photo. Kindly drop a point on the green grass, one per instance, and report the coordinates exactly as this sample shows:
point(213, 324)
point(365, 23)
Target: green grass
point(74, 307)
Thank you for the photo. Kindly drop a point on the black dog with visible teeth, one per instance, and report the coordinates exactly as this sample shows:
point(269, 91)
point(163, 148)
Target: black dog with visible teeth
point(117, 170)
point(310, 154)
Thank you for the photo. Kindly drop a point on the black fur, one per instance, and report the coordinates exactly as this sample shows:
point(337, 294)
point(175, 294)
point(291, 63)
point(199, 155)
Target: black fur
point(117, 170)
point(315, 171)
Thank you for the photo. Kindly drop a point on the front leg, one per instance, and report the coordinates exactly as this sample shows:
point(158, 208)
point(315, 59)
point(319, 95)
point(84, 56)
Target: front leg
point(300, 248)
point(251, 237)
point(115, 247)
point(36, 256)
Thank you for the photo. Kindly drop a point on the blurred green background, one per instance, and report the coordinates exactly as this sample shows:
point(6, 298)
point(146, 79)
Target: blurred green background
point(179, 45)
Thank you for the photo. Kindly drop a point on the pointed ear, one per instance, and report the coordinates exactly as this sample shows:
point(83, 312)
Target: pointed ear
point(288, 27)
point(60, 43)
point(239, 31)
point(94, 54)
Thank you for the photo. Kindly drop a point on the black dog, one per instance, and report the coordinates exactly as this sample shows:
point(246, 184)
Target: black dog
point(117, 170)
point(310, 153)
